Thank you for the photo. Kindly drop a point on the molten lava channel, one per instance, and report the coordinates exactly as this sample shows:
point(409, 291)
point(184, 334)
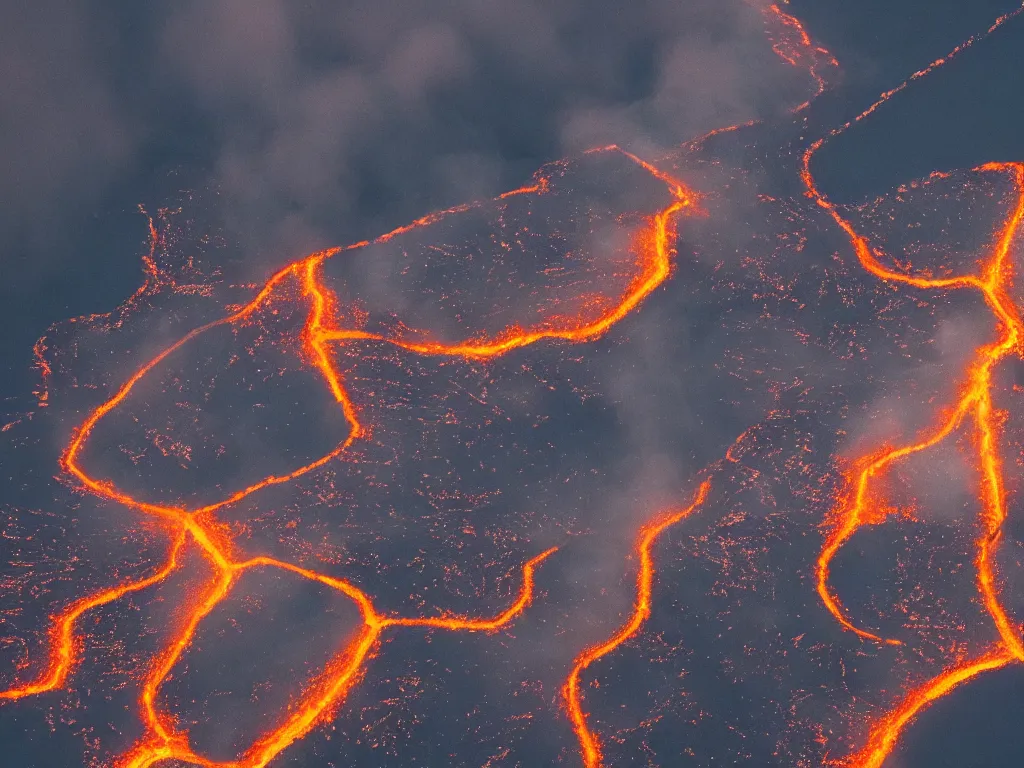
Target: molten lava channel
point(974, 405)
point(590, 746)
point(654, 250)
point(856, 507)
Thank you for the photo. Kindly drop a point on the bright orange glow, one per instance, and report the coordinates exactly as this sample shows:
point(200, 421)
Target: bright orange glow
point(163, 740)
point(590, 747)
point(655, 251)
point(64, 644)
point(888, 730)
point(320, 697)
point(974, 401)
point(795, 47)
point(196, 529)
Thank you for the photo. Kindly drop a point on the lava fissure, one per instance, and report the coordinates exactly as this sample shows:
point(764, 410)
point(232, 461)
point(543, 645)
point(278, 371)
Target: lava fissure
point(993, 281)
point(654, 250)
point(973, 411)
point(590, 746)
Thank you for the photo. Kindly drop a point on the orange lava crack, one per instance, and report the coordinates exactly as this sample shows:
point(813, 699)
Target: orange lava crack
point(590, 747)
point(887, 731)
point(654, 247)
point(854, 508)
point(324, 694)
point(793, 51)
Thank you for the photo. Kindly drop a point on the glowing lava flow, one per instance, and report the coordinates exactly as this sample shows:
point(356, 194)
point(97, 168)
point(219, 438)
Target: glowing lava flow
point(888, 730)
point(974, 401)
point(323, 694)
point(653, 248)
point(793, 51)
point(589, 744)
point(64, 645)
point(792, 44)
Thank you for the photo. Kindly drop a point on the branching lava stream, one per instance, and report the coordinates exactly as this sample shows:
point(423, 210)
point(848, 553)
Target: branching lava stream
point(328, 328)
point(857, 507)
point(653, 248)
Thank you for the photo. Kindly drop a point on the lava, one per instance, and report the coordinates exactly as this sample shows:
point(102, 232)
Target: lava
point(654, 250)
point(796, 48)
point(888, 729)
point(793, 45)
point(590, 747)
point(323, 694)
point(858, 505)
point(854, 510)
point(63, 642)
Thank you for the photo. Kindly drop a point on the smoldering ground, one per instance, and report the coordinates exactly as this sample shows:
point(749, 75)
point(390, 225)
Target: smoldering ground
point(313, 147)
